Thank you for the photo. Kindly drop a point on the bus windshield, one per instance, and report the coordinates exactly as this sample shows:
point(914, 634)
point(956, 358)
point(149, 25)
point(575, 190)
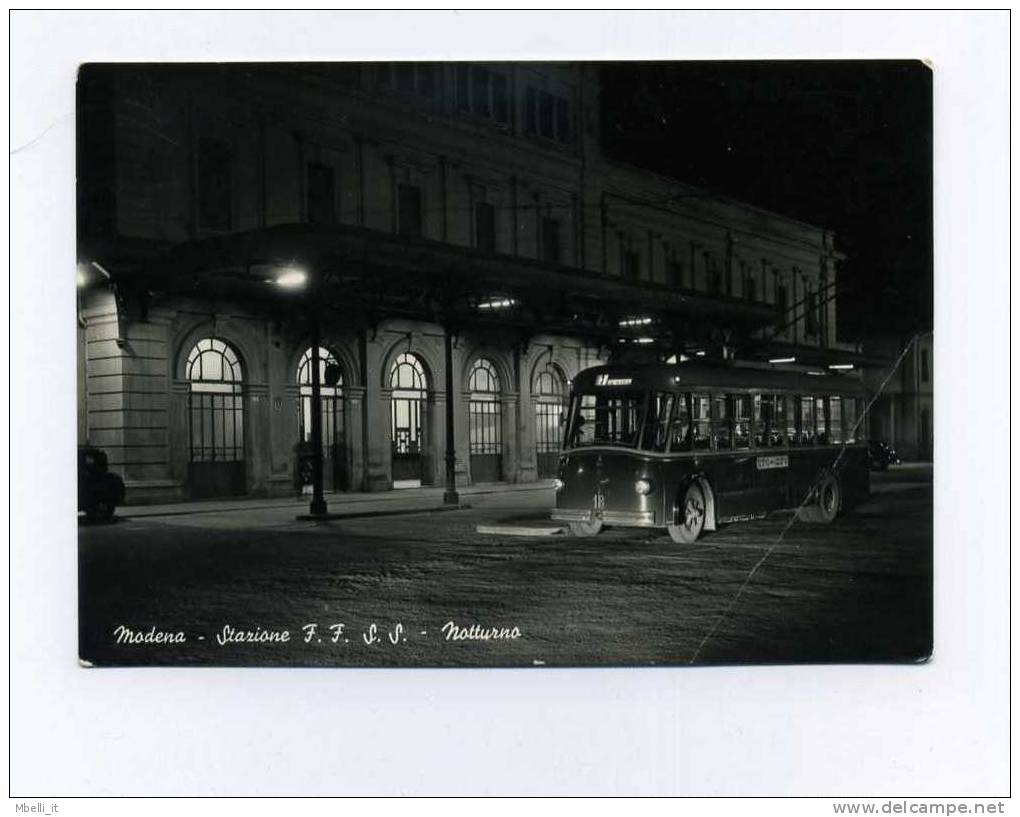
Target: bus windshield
point(606, 418)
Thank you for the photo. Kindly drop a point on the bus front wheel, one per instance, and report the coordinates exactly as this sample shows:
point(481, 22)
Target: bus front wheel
point(590, 528)
point(825, 503)
point(690, 518)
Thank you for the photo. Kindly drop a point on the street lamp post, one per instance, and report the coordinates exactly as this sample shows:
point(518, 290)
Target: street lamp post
point(450, 496)
point(295, 278)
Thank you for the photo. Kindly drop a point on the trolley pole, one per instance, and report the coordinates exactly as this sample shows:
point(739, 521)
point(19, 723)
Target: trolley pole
point(450, 496)
point(318, 504)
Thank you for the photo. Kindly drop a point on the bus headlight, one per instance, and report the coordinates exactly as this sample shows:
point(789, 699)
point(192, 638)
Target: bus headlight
point(643, 487)
point(558, 483)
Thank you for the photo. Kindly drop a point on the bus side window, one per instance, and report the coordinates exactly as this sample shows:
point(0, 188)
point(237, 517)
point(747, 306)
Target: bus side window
point(701, 422)
point(657, 436)
point(820, 436)
point(790, 404)
point(681, 434)
point(835, 421)
point(741, 420)
point(807, 420)
point(583, 432)
point(862, 428)
point(777, 421)
point(850, 430)
point(721, 433)
point(761, 418)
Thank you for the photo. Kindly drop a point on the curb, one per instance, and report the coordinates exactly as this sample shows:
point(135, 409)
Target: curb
point(329, 517)
point(520, 530)
point(198, 507)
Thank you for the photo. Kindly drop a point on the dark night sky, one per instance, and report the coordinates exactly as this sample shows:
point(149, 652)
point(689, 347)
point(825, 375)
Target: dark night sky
point(843, 145)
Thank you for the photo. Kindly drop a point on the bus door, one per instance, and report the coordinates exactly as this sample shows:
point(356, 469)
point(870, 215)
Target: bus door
point(734, 474)
point(772, 456)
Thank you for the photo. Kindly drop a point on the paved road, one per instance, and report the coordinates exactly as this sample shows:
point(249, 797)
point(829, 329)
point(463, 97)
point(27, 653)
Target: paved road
point(857, 590)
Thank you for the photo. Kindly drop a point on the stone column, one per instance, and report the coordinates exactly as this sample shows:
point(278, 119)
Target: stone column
point(178, 430)
point(527, 465)
point(128, 383)
point(282, 408)
point(378, 472)
point(508, 409)
point(318, 503)
point(378, 416)
point(354, 397)
point(449, 436)
point(257, 440)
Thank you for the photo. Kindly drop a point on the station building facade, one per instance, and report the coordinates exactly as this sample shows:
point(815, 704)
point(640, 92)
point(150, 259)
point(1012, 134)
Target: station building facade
point(902, 414)
point(451, 238)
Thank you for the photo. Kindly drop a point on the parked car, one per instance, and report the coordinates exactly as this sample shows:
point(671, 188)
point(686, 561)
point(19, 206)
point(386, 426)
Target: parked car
point(99, 491)
point(881, 456)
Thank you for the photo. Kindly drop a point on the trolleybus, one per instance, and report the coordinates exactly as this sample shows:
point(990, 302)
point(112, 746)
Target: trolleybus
point(691, 446)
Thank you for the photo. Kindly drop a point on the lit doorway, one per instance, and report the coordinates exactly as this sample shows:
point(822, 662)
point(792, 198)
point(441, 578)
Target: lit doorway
point(407, 411)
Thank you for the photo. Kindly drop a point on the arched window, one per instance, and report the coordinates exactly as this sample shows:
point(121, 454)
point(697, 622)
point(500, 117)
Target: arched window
point(483, 379)
point(485, 423)
point(213, 361)
point(549, 384)
point(407, 374)
point(410, 391)
point(215, 402)
point(549, 388)
point(331, 394)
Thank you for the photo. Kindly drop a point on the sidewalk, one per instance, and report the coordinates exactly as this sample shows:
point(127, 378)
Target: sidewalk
point(396, 501)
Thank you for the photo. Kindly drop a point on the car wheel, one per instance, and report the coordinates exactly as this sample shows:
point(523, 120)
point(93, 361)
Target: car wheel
point(691, 517)
point(825, 503)
point(590, 528)
point(830, 499)
point(101, 511)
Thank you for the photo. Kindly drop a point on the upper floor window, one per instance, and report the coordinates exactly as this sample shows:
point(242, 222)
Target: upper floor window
point(321, 194)
point(550, 240)
point(214, 188)
point(714, 277)
point(485, 227)
point(631, 265)
point(675, 273)
point(409, 211)
point(546, 115)
point(810, 313)
point(750, 287)
point(781, 299)
point(483, 93)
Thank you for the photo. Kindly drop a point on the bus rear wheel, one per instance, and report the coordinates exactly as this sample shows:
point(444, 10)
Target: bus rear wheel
point(825, 503)
point(690, 517)
point(590, 528)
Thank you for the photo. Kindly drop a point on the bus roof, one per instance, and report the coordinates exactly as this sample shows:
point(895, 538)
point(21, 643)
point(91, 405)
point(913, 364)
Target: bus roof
point(694, 374)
